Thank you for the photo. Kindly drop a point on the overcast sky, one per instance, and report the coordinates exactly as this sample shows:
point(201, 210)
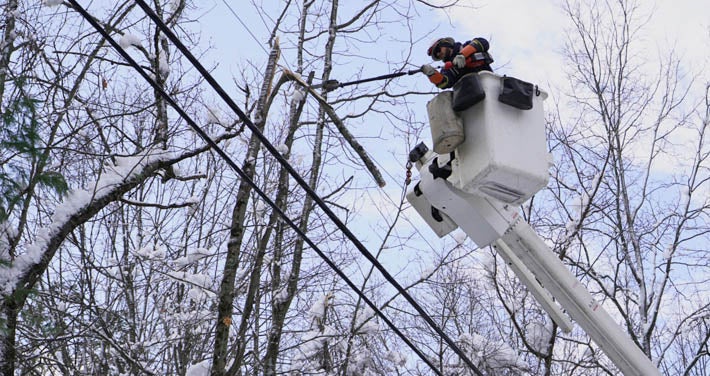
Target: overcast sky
point(526, 36)
point(527, 39)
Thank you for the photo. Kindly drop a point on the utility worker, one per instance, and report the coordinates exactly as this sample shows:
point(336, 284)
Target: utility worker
point(459, 59)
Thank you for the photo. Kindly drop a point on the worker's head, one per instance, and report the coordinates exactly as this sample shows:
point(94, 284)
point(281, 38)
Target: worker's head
point(441, 48)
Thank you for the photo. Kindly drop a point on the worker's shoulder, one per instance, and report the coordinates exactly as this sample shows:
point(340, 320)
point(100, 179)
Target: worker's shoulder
point(481, 41)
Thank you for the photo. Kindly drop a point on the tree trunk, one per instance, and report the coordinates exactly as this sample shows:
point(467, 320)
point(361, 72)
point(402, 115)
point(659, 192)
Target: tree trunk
point(7, 46)
point(226, 289)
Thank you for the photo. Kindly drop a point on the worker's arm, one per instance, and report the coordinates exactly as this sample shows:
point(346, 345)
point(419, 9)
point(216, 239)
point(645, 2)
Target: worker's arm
point(474, 54)
point(476, 45)
point(435, 77)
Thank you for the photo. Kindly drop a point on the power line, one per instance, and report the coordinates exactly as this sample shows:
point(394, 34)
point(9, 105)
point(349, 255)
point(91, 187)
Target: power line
point(275, 153)
point(245, 27)
point(254, 186)
point(294, 174)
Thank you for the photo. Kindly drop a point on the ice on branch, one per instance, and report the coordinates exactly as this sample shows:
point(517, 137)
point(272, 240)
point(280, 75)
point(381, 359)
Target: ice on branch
point(539, 335)
point(397, 358)
point(297, 96)
point(495, 354)
point(193, 256)
point(152, 253)
point(459, 236)
point(51, 3)
point(163, 66)
point(200, 369)
point(214, 116)
point(365, 322)
point(128, 40)
point(282, 148)
point(319, 308)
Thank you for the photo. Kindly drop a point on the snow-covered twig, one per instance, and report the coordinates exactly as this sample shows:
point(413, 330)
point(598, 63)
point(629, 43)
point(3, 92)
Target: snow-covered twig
point(354, 144)
point(80, 205)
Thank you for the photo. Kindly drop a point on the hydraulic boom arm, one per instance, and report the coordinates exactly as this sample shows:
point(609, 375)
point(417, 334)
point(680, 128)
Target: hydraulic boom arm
point(490, 222)
point(491, 156)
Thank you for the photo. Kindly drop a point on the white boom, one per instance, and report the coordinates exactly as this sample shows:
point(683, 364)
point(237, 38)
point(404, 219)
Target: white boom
point(500, 163)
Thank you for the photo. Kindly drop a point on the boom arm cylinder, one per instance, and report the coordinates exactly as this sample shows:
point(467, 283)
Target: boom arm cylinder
point(580, 304)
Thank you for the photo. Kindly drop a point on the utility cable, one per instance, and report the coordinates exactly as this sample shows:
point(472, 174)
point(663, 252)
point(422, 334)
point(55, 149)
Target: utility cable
point(245, 27)
point(284, 163)
point(254, 186)
point(363, 250)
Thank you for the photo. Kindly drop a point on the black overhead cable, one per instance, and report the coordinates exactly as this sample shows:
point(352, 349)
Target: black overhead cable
point(253, 37)
point(208, 77)
point(276, 154)
point(256, 188)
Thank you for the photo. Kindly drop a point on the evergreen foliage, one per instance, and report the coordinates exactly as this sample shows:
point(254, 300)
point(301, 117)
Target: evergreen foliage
point(22, 153)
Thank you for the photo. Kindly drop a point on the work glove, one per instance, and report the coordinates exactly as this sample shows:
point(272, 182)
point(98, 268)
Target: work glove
point(428, 70)
point(459, 61)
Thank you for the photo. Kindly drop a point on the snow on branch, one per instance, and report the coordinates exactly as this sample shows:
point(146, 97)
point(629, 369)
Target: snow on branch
point(354, 144)
point(128, 40)
point(52, 3)
point(79, 206)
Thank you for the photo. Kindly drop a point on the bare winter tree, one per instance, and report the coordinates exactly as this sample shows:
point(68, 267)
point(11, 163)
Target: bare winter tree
point(626, 209)
point(321, 30)
point(83, 151)
point(630, 215)
point(128, 248)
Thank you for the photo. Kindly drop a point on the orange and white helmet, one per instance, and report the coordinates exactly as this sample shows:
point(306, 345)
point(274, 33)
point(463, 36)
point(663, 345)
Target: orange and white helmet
point(436, 44)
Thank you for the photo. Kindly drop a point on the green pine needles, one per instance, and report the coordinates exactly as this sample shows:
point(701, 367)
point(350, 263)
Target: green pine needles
point(23, 156)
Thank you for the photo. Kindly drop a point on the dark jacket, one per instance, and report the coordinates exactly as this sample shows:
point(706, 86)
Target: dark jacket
point(477, 59)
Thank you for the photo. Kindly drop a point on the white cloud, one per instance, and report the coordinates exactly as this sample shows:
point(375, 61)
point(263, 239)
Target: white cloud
point(684, 24)
point(527, 36)
point(524, 35)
